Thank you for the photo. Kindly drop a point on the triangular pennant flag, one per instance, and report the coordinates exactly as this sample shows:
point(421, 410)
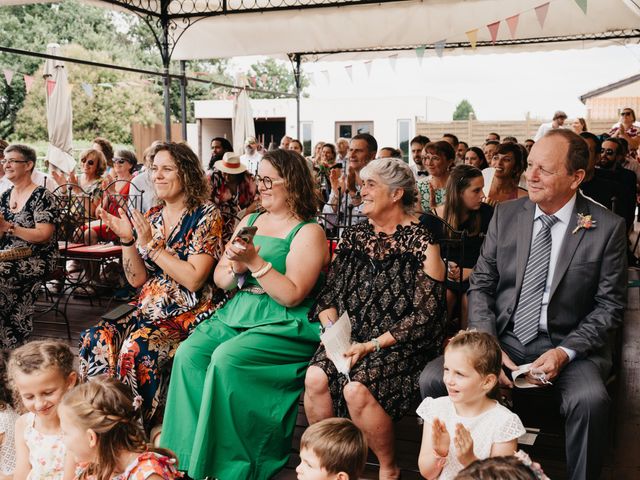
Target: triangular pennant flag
point(392, 61)
point(51, 85)
point(439, 46)
point(541, 13)
point(472, 35)
point(349, 70)
point(253, 80)
point(326, 75)
point(28, 82)
point(8, 75)
point(264, 77)
point(512, 23)
point(88, 90)
point(367, 65)
point(583, 5)
point(493, 30)
point(420, 53)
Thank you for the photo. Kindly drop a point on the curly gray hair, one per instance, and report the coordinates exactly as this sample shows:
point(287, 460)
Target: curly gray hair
point(396, 175)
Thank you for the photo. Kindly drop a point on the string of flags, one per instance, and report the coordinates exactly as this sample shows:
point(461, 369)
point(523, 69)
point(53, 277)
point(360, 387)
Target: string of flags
point(471, 35)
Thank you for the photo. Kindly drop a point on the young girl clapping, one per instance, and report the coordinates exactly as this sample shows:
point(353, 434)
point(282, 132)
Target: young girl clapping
point(103, 432)
point(468, 424)
point(41, 373)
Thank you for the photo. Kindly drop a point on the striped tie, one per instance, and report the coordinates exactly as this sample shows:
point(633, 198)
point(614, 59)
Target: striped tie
point(527, 315)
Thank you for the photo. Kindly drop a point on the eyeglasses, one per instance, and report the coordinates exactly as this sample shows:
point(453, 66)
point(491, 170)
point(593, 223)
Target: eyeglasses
point(88, 162)
point(608, 151)
point(624, 114)
point(4, 161)
point(268, 182)
point(119, 160)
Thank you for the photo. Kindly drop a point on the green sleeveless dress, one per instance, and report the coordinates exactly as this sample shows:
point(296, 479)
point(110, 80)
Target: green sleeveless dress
point(236, 382)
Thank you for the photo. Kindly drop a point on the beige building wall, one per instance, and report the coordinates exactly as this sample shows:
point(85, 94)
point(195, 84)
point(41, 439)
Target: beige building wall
point(475, 132)
point(609, 104)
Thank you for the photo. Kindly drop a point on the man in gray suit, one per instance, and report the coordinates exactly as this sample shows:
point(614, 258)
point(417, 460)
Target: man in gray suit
point(550, 284)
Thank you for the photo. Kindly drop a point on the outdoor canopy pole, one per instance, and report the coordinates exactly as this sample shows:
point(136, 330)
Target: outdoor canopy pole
point(183, 97)
point(296, 75)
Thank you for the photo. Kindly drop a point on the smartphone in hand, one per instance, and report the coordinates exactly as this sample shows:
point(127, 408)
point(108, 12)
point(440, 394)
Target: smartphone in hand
point(246, 234)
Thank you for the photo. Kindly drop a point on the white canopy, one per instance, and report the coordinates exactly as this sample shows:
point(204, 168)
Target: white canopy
point(276, 27)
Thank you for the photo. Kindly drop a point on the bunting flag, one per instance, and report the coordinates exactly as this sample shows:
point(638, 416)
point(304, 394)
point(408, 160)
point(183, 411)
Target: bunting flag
point(512, 23)
point(493, 30)
point(349, 70)
point(326, 76)
point(472, 35)
point(28, 82)
point(583, 5)
point(367, 65)
point(88, 90)
point(392, 61)
point(439, 47)
point(253, 80)
point(541, 13)
point(264, 77)
point(420, 54)
point(8, 75)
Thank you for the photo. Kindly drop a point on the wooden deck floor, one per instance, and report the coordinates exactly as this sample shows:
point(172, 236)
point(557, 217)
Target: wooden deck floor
point(623, 456)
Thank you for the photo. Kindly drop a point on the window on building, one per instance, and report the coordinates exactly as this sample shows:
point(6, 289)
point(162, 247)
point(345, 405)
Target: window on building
point(404, 137)
point(306, 134)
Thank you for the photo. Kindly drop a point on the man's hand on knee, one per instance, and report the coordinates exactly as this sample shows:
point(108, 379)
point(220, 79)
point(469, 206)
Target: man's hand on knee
point(550, 363)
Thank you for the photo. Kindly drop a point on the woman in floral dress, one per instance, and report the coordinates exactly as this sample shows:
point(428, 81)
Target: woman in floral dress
point(169, 253)
point(27, 219)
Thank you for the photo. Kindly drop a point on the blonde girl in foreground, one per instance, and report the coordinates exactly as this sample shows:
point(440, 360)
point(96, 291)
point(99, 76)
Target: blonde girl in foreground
point(41, 373)
point(102, 431)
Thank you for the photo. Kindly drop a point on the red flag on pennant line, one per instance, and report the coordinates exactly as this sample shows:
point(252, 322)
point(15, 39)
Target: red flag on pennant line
point(541, 13)
point(493, 30)
point(28, 82)
point(512, 23)
point(51, 85)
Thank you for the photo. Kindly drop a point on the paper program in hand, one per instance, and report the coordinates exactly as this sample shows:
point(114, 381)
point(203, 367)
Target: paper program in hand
point(336, 341)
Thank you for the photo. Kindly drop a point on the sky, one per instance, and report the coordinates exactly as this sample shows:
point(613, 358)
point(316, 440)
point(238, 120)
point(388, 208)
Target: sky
point(499, 86)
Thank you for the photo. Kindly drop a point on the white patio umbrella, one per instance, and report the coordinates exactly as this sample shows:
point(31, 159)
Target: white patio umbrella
point(59, 116)
point(242, 123)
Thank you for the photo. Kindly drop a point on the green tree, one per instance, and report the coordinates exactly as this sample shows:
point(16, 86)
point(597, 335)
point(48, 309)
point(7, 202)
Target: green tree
point(118, 99)
point(117, 38)
point(463, 110)
point(271, 74)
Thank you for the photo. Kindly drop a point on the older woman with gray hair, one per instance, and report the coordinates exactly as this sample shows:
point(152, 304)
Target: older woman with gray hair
point(388, 275)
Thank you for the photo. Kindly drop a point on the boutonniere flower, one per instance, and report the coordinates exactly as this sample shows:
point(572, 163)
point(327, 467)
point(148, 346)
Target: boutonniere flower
point(584, 221)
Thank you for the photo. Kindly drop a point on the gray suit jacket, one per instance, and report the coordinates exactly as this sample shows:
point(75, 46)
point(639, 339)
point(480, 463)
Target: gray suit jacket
point(587, 297)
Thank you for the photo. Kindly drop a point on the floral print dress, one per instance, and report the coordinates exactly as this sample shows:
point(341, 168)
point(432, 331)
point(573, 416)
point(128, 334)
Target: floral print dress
point(139, 348)
point(20, 280)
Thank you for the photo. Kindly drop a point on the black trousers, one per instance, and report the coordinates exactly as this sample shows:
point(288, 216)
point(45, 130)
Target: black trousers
point(584, 402)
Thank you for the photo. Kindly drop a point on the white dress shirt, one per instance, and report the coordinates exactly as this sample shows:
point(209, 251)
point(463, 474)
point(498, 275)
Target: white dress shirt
point(558, 231)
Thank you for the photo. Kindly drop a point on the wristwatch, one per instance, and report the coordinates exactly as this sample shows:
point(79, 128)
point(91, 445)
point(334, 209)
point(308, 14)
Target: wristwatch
point(11, 229)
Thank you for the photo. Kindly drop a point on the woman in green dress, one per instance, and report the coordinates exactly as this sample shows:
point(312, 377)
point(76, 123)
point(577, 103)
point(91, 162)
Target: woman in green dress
point(236, 381)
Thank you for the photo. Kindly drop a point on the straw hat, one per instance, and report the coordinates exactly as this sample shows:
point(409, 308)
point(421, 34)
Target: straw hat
point(230, 163)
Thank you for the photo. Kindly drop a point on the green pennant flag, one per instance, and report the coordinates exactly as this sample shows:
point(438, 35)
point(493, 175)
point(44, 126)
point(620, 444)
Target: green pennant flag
point(583, 5)
point(420, 53)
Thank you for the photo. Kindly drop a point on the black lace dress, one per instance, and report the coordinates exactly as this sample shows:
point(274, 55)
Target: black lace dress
point(379, 279)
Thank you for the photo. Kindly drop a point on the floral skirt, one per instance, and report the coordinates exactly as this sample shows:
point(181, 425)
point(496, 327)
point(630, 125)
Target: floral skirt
point(139, 351)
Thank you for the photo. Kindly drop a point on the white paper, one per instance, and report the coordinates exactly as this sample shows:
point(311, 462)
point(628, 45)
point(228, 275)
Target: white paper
point(336, 341)
point(519, 377)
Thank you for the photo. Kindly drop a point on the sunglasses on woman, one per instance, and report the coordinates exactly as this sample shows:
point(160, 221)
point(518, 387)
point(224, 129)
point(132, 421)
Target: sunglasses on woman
point(119, 160)
point(88, 162)
point(624, 114)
